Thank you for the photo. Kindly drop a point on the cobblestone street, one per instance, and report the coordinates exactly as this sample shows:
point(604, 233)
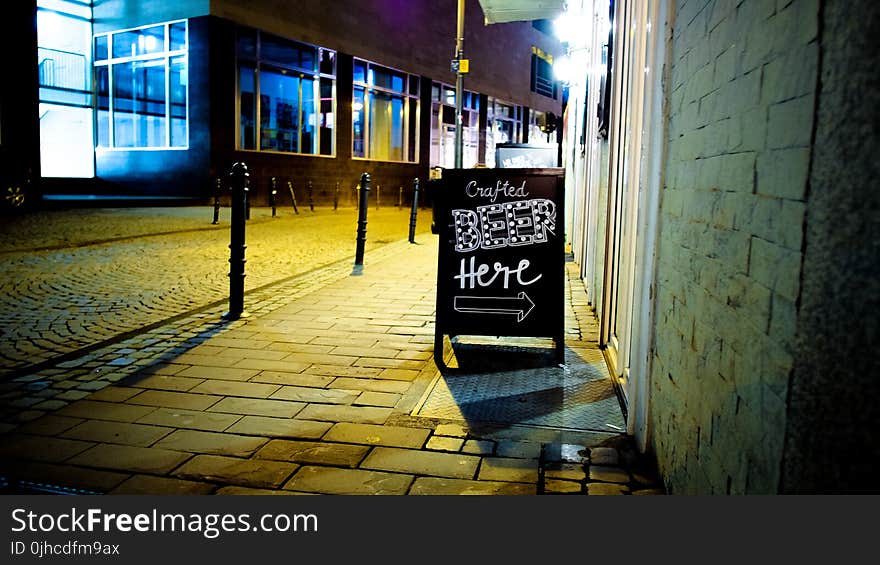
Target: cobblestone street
point(73, 279)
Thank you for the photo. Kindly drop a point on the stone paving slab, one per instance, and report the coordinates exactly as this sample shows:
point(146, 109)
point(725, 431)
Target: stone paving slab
point(117, 432)
point(328, 480)
point(258, 407)
point(436, 464)
point(147, 484)
point(369, 434)
point(313, 452)
point(356, 414)
point(211, 442)
point(133, 459)
point(40, 448)
point(189, 419)
point(279, 427)
point(63, 475)
point(439, 486)
point(232, 470)
point(105, 411)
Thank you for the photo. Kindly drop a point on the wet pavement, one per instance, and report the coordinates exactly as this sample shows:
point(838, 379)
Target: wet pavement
point(322, 389)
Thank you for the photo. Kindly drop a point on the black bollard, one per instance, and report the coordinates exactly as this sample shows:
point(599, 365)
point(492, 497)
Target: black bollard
point(357, 197)
point(400, 198)
point(292, 197)
point(414, 212)
point(272, 196)
point(311, 194)
point(239, 185)
point(362, 224)
point(217, 201)
point(378, 194)
point(247, 205)
point(336, 197)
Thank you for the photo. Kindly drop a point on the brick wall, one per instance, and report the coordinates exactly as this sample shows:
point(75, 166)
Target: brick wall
point(742, 95)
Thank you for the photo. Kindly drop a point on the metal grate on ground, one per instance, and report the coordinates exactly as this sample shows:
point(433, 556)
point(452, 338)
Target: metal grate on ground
point(511, 385)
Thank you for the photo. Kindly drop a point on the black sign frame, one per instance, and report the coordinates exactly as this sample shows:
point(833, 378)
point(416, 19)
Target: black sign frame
point(501, 260)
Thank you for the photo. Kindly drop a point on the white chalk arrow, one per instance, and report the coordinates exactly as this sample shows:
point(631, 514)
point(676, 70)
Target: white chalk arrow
point(520, 305)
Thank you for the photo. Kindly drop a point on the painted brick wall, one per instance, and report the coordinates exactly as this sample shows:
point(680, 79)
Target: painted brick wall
point(742, 95)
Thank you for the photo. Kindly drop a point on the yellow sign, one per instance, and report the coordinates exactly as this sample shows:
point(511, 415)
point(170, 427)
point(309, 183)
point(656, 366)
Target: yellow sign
point(464, 66)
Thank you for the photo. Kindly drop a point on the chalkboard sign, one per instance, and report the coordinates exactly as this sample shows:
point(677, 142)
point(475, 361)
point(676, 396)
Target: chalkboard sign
point(501, 261)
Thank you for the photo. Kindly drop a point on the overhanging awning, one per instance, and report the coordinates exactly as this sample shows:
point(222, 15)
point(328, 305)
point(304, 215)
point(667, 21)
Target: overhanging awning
point(501, 11)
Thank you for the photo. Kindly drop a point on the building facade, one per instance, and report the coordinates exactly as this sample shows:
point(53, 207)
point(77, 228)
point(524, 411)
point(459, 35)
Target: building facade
point(160, 98)
point(721, 223)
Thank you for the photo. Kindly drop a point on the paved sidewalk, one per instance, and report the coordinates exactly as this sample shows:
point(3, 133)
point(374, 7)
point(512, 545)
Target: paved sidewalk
point(313, 393)
point(107, 273)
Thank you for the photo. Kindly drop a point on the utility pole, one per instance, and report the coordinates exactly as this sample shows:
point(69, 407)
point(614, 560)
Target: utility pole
point(460, 66)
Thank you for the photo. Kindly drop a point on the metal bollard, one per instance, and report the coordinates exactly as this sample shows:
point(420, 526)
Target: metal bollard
point(217, 202)
point(357, 197)
point(414, 212)
point(292, 197)
point(311, 194)
point(400, 198)
point(239, 186)
point(336, 197)
point(272, 196)
point(247, 205)
point(362, 224)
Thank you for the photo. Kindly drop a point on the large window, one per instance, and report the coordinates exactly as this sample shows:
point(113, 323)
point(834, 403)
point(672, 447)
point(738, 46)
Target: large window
point(141, 78)
point(385, 114)
point(443, 127)
point(64, 58)
point(287, 95)
point(503, 125)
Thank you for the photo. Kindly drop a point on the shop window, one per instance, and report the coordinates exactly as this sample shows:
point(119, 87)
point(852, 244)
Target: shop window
point(443, 126)
point(286, 95)
point(503, 125)
point(385, 110)
point(141, 84)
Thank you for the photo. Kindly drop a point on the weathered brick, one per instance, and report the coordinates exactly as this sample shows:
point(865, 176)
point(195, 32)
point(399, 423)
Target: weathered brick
point(783, 173)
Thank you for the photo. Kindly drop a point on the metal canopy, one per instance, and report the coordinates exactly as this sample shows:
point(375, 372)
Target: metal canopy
point(501, 11)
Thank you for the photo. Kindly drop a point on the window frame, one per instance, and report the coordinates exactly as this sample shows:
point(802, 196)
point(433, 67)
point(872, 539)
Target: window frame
point(408, 97)
point(258, 63)
point(166, 55)
point(539, 55)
